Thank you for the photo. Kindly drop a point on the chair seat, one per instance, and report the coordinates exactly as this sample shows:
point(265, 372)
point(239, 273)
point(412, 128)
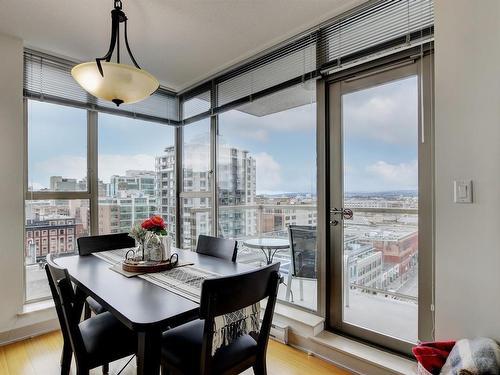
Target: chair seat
point(107, 339)
point(95, 306)
point(181, 348)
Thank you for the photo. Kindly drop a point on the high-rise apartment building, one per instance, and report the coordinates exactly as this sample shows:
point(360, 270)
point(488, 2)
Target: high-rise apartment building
point(140, 181)
point(118, 214)
point(165, 187)
point(236, 194)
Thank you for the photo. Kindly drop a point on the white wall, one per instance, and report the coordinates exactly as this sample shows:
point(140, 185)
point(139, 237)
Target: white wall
point(11, 190)
point(467, 123)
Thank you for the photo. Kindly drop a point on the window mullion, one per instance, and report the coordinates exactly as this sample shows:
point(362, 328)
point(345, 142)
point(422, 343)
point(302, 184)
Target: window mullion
point(213, 174)
point(178, 183)
point(92, 170)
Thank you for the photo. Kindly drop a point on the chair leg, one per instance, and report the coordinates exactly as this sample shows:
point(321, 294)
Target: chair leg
point(289, 287)
point(66, 355)
point(105, 368)
point(164, 370)
point(259, 368)
point(80, 371)
point(87, 313)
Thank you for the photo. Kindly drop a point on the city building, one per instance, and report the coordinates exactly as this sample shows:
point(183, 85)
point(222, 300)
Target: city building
point(49, 234)
point(59, 183)
point(236, 193)
point(166, 188)
point(143, 182)
point(120, 214)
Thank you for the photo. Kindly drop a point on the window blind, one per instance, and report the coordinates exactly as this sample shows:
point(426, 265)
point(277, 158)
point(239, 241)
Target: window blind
point(48, 78)
point(293, 64)
point(366, 31)
point(196, 104)
point(375, 26)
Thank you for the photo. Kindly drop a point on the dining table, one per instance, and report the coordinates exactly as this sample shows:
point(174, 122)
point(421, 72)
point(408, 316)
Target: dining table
point(140, 304)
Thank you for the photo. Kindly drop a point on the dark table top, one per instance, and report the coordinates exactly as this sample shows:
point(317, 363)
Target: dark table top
point(138, 303)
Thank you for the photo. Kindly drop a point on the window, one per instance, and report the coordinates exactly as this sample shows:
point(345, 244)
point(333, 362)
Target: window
point(261, 185)
point(57, 191)
point(57, 148)
point(196, 189)
point(136, 167)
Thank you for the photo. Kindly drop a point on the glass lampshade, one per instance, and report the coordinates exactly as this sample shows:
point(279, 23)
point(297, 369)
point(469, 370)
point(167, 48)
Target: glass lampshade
point(121, 83)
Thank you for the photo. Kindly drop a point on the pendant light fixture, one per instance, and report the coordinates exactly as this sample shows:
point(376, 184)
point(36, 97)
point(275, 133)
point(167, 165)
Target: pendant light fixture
point(115, 82)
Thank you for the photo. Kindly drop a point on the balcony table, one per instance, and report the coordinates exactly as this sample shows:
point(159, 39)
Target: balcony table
point(269, 246)
point(141, 305)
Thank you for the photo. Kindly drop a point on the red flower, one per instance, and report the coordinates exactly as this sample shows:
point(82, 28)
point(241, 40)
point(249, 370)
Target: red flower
point(158, 221)
point(154, 223)
point(147, 224)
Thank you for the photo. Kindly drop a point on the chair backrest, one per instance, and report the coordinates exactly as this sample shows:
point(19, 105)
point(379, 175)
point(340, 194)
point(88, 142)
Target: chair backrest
point(303, 248)
point(217, 247)
point(93, 244)
point(68, 309)
point(225, 295)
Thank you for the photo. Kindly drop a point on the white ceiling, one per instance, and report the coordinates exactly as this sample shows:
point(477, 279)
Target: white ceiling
point(180, 41)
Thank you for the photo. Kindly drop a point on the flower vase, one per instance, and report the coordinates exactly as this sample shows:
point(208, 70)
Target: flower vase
point(154, 247)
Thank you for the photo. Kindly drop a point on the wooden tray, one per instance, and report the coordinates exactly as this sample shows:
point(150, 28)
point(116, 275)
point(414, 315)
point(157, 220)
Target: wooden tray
point(147, 267)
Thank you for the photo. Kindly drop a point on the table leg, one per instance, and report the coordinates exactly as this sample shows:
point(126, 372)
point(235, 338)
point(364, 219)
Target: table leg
point(270, 256)
point(267, 255)
point(148, 353)
point(80, 298)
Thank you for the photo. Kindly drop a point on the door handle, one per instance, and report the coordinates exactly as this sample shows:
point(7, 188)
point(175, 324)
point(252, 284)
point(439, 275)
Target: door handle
point(345, 214)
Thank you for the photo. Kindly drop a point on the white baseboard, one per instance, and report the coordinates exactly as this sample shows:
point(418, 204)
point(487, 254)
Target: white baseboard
point(26, 332)
point(351, 355)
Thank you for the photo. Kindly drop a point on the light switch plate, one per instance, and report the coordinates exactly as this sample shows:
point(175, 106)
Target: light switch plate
point(463, 191)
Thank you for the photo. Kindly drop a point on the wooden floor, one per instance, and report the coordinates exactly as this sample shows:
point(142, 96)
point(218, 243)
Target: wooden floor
point(40, 356)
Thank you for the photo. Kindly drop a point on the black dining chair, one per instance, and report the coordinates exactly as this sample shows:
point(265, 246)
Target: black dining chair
point(93, 244)
point(217, 247)
point(95, 341)
point(187, 349)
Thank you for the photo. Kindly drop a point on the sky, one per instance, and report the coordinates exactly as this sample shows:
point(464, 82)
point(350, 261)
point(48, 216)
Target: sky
point(379, 129)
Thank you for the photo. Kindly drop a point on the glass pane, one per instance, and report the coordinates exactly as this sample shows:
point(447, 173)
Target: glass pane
point(196, 199)
point(57, 147)
point(52, 226)
point(264, 188)
point(136, 173)
point(380, 127)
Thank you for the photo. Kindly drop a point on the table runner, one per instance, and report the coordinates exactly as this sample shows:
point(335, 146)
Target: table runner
point(186, 281)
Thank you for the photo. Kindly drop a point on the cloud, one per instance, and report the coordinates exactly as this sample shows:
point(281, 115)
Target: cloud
point(65, 165)
point(35, 186)
point(110, 164)
point(240, 124)
point(76, 167)
point(395, 176)
point(268, 172)
point(387, 113)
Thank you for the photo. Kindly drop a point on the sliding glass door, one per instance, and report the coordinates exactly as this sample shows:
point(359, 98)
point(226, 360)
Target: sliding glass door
point(379, 195)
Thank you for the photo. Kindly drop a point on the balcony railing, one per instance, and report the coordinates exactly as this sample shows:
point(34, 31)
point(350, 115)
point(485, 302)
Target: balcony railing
point(275, 226)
